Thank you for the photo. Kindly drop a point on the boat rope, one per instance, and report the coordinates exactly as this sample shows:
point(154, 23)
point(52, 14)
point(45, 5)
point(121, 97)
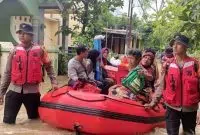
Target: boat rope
point(59, 87)
point(125, 102)
point(58, 94)
point(95, 100)
point(98, 100)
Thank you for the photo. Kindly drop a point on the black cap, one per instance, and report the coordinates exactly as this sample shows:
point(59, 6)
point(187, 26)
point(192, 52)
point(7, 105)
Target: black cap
point(182, 39)
point(135, 52)
point(168, 50)
point(26, 28)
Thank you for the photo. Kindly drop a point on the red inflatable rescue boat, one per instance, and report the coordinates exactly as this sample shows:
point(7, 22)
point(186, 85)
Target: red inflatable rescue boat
point(98, 114)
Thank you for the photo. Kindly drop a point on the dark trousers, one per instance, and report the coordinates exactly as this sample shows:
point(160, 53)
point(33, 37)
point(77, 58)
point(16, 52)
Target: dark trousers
point(13, 102)
point(173, 118)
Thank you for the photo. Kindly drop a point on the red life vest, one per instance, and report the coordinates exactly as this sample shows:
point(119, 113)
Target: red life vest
point(182, 84)
point(26, 65)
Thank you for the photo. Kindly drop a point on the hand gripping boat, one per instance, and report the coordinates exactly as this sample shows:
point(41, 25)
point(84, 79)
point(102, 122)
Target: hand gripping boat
point(98, 114)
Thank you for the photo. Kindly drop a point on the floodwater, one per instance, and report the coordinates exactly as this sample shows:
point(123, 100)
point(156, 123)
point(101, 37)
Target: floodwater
point(36, 127)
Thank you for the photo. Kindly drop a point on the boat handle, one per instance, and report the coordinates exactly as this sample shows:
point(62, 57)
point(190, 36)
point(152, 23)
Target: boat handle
point(124, 102)
point(97, 100)
point(56, 89)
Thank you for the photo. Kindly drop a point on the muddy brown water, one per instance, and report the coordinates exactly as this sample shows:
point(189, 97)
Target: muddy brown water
point(36, 127)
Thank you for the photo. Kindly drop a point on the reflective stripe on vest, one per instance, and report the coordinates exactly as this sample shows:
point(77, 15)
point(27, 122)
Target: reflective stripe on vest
point(182, 85)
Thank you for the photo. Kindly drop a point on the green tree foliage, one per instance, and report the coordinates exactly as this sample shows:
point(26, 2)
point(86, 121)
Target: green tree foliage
point(177, 17)
point(148, 29)
point(92, 14)
point(191, 21)
point(151, 7)
point(166, 25)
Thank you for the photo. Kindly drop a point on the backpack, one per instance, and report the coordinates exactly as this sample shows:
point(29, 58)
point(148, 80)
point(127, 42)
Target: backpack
point(134, 81)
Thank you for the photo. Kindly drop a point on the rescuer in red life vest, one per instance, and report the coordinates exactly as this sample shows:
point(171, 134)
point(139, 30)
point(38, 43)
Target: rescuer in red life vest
point(23, 75)
point(180, 89)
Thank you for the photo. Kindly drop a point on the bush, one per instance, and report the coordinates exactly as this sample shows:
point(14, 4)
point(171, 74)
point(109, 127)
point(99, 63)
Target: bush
point(63, 60)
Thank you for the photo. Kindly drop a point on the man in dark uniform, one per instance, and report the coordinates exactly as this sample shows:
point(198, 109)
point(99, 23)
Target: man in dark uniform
point(180, 89)
point(23, 75)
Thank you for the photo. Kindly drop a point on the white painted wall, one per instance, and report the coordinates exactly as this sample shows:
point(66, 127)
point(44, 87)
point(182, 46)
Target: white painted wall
point(5, 47)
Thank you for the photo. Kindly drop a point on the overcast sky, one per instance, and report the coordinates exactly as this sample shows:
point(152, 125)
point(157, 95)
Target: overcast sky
point(136, 8)
point(125, 8)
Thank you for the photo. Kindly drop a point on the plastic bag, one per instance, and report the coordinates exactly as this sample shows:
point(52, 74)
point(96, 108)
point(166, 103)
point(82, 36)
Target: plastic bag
point(134, 81)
